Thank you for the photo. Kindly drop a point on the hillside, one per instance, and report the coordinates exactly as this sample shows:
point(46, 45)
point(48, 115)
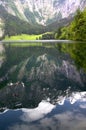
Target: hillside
point(13, 25)
point(36, 16)
point(42, 11)
point(76, 30)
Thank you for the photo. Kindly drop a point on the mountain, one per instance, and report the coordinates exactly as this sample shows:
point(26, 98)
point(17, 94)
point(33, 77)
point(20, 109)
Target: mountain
point(42, 11)
point(31, 16)
point(12, 25)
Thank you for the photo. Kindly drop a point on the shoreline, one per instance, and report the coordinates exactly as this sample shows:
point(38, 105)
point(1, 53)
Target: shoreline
point(38, 41)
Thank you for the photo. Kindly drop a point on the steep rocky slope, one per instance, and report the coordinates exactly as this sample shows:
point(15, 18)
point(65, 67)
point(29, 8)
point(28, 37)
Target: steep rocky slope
point(42, 11)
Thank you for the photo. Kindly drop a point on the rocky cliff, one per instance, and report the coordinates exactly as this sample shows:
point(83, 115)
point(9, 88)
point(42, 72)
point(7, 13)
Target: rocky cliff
point(42, 11)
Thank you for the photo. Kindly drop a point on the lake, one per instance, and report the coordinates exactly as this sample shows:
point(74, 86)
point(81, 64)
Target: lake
point(43, 85)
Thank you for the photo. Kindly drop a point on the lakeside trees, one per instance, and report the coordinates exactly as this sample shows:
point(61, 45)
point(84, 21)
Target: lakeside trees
point(76, 30)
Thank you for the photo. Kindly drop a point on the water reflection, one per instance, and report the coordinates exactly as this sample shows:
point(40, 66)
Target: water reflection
point(47, 78)
point(48, 117)
point(31, 74)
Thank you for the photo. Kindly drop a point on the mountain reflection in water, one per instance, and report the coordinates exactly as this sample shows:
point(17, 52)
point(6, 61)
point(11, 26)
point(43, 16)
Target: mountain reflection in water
point(71, 116)
point(47, 82)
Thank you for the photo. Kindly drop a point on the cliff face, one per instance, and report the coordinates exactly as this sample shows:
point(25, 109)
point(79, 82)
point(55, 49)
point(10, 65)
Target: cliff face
point(42, 11)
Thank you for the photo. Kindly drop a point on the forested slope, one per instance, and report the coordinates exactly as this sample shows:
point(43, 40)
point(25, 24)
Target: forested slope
point(76, 30)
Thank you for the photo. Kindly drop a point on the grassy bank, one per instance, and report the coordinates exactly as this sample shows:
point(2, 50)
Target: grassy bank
point(47, 35)
point(23, 37)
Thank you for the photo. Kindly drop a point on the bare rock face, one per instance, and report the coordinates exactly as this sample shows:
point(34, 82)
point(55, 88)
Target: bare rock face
point(43, 11)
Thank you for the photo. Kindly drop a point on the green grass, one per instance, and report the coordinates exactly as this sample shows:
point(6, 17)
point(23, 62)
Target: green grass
point(23, 37)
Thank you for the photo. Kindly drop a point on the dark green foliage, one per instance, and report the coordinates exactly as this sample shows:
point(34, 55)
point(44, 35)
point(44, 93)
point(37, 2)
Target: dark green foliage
point(48, 36)
point(76, 30)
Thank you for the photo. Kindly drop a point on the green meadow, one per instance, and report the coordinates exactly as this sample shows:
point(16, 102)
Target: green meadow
point(23, 37)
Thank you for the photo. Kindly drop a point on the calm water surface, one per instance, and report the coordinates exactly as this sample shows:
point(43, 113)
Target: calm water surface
point(43, 86)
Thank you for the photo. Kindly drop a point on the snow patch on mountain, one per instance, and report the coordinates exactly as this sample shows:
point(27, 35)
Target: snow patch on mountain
point(43, 11)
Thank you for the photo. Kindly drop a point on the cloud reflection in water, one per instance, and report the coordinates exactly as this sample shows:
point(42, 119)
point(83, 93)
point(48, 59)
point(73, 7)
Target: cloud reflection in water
point(52, 117)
